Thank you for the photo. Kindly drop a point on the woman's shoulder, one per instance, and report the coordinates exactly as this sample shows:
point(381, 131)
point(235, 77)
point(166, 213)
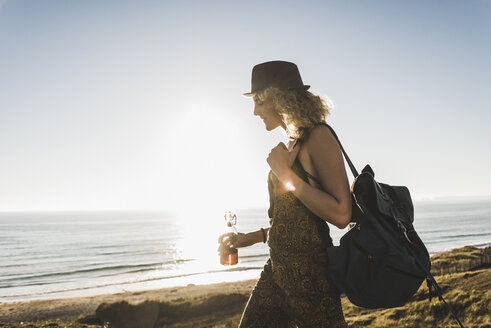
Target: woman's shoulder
point(320, 137)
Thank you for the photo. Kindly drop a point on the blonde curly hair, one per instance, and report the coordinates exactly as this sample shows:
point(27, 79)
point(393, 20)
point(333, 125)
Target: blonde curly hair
point(301, 110)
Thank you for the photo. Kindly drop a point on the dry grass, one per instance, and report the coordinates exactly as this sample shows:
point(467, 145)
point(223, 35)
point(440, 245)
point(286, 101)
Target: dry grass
point(468, 293)
point(463, 259)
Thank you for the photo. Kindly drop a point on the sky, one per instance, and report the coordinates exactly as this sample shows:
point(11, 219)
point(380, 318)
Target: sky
point(137, 105)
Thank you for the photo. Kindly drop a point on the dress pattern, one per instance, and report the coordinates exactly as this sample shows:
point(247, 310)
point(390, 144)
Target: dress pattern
point(293, 289)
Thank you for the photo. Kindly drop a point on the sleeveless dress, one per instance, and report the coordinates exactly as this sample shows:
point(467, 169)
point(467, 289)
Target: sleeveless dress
point(293, 289)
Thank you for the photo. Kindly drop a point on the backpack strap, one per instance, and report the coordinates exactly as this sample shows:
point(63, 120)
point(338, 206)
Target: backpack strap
point(430, 280)
point(350, 164)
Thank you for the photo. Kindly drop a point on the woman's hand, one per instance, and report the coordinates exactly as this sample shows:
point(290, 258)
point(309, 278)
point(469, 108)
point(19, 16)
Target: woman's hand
point(232, 240)
point(280, 160)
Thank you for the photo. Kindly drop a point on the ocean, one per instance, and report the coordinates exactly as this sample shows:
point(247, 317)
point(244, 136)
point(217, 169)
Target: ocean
point(47, 255)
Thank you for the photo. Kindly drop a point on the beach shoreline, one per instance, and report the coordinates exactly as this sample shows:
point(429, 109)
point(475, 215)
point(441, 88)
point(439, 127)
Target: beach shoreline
point(463, 273)
point(70, 308)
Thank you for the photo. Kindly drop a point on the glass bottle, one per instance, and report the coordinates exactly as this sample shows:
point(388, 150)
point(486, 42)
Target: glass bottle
point(230, 256)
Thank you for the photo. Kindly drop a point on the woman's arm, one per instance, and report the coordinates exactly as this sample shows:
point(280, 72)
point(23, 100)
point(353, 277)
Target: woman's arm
point(243, 239)
point(333, 203)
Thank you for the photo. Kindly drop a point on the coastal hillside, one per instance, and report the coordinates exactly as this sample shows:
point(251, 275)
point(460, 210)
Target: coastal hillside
point(469, 294)
point(464, 275)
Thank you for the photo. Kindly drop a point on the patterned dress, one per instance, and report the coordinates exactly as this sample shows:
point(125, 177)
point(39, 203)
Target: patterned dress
point(293, 289)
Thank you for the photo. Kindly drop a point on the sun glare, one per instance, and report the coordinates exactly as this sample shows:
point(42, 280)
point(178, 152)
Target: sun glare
point(203, 143)
point(200, 230)
point(289, 186)
point(205, 148)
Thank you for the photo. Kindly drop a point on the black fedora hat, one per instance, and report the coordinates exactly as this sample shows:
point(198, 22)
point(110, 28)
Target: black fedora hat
point(278, 74)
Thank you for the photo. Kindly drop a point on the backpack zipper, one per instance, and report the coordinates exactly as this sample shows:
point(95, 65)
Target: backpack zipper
point(371, 261)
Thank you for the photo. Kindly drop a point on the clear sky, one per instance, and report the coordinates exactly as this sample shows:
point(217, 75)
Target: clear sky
point(138, 105)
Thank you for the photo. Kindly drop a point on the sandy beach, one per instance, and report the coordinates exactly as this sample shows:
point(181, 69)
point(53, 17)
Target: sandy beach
point(464, 274)
point(68, 309)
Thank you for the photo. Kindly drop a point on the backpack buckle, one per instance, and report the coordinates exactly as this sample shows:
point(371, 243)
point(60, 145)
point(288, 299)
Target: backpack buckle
point(403, 230)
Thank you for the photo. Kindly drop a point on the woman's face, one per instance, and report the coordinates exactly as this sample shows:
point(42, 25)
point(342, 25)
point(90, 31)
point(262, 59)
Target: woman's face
point(267, 113)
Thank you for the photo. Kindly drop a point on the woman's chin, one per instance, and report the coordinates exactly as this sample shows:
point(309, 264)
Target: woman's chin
point(268, 126)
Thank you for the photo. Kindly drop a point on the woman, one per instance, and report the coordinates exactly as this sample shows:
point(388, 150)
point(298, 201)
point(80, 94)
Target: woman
point(307, 182)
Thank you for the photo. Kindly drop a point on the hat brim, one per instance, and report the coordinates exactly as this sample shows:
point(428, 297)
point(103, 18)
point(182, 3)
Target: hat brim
point(250, 94)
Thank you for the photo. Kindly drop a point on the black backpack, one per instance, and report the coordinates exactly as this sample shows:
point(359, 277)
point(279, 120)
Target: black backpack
point(381, 261)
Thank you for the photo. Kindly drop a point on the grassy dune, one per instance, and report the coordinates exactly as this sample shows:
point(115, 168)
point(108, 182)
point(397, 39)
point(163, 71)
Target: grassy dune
point(464, 275)
point(461, 260)
point(468, 293)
